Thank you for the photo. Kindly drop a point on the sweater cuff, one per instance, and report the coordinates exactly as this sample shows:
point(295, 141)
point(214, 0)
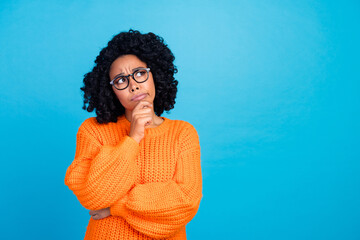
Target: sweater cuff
point(131, 146)
point(119, 208)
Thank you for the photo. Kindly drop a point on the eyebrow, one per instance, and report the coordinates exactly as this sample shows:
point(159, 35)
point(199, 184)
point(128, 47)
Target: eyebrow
point(133, 70)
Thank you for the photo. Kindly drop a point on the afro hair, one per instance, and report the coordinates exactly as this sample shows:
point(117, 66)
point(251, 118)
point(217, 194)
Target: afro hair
point(149, 48)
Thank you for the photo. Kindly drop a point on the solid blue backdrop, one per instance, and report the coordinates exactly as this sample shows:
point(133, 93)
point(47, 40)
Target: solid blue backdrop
point(271, 86)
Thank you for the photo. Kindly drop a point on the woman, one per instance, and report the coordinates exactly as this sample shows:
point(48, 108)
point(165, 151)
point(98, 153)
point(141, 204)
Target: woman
point(138, 173)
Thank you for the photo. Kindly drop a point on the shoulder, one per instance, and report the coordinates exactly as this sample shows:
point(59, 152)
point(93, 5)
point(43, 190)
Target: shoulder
point(187, 135)
point(183, 128)
point(92, 127)
point(89, 123)
point(181, 124)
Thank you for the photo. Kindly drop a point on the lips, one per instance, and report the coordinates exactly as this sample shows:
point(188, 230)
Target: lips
point(139, 97)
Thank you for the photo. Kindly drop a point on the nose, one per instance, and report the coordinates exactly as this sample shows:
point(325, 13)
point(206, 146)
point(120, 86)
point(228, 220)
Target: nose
point(133, 85)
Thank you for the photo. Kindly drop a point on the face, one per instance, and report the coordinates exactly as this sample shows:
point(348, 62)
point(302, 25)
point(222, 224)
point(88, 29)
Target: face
point(126, 65)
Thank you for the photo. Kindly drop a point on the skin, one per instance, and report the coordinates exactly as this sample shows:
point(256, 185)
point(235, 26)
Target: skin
point(141, 113)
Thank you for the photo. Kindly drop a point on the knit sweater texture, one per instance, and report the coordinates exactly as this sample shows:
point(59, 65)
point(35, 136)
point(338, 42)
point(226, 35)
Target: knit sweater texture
point(153, 188)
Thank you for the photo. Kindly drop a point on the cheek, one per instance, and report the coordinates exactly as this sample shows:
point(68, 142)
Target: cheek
point(121, 97)
point(152, 88)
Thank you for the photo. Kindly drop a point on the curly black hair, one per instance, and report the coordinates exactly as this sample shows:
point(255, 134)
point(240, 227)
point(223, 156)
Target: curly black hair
point(149, 48)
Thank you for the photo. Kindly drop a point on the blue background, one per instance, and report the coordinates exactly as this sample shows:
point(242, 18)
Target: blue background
point(271, 86)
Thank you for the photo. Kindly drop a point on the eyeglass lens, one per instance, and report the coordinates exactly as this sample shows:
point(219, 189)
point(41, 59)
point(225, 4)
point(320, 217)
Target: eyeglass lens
point(140, 76)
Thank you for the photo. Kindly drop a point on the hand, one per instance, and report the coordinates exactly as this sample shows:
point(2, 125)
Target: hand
point(100, 214)
point(142, 116)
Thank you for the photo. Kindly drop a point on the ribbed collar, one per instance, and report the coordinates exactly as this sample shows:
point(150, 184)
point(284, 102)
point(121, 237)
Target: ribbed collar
point(161, 129)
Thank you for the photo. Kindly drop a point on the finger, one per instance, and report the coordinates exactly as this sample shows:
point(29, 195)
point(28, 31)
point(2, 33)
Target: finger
point(142, 107)
point(143, 104)
point(139, 116)
point(143, 118)
point(142, 111)
point(146, 121)
point(147, 106)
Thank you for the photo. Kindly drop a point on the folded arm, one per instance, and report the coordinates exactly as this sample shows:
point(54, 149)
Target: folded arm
point(160, 209)
point(101, 174)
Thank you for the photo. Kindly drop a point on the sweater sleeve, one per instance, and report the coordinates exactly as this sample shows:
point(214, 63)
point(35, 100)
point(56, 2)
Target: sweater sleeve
point(101, 174)
point(160, 209)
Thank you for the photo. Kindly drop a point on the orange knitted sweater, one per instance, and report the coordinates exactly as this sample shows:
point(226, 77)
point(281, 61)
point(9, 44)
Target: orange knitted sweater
point(153, 188)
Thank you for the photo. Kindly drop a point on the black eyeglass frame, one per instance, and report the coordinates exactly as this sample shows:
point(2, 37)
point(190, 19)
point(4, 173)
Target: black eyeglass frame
point(132, 75)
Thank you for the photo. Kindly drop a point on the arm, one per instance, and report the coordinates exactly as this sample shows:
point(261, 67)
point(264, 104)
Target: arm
point(101, 174)
point(160, 209)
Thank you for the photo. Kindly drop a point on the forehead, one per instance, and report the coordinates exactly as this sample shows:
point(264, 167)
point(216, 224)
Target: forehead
point(126, 63)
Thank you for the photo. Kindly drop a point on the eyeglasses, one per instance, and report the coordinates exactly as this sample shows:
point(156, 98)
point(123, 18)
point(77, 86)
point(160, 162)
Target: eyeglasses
point(140, 75)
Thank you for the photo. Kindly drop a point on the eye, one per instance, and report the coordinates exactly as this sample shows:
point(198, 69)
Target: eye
point(140, 73)
point(120, 80)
